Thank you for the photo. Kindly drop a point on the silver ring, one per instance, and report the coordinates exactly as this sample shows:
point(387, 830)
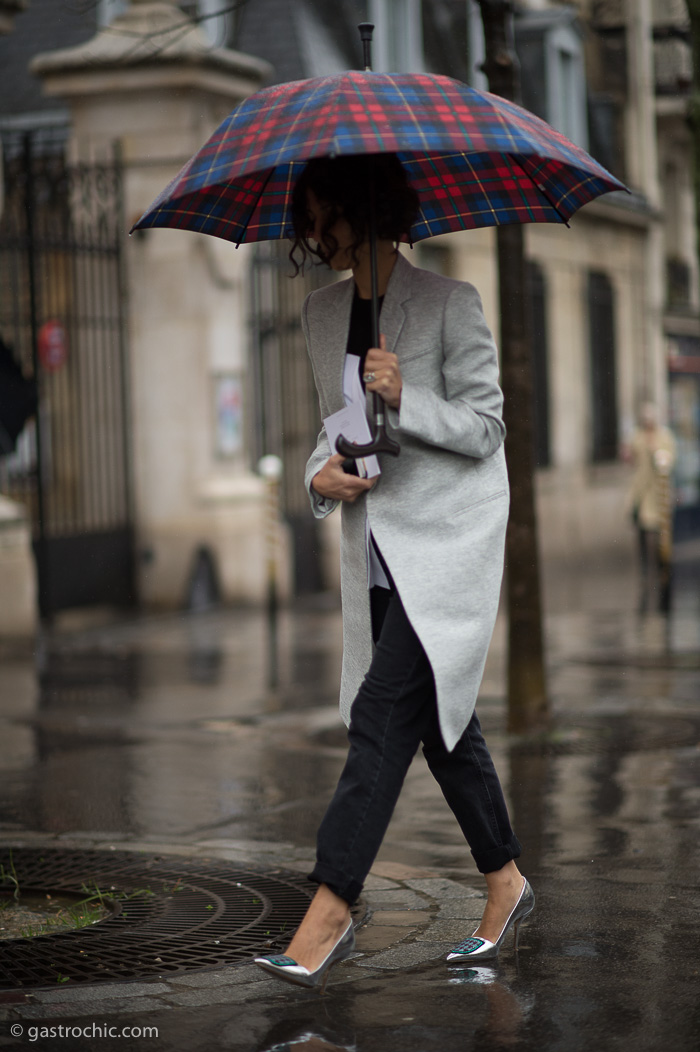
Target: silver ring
point(369, 378)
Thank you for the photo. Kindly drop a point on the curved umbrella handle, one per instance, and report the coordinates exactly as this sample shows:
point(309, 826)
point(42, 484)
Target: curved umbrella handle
point(380, 443)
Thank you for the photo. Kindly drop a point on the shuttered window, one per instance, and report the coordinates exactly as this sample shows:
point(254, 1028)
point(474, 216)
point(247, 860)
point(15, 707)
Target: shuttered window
point(601, 330)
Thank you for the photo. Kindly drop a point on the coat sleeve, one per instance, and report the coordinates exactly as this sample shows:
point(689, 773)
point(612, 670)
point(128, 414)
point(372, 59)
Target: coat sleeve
point(320, 506)
point(467, 419)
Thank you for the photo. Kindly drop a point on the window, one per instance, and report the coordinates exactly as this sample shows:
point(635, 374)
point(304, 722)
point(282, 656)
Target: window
point(213, 15)
point(604, 130)
point(601, 335)
point(398, 36)
point(477, 47)
point(107, 10)
point(216, 19)
point(566, 84)
point(552, 71)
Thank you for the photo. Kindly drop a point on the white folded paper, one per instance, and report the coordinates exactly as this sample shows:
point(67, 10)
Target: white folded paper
point(352, 422)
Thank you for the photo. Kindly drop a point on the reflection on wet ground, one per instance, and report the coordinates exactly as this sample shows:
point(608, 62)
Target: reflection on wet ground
point(171, 728)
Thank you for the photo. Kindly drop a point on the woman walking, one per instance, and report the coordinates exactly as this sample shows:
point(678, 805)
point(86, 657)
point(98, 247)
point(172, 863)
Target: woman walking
point(652, 453)
point(421, 552)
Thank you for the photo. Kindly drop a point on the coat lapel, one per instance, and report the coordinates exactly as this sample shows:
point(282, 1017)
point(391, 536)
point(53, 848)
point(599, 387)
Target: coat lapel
point(393, 314)
point(337, 325)
point(335, 337)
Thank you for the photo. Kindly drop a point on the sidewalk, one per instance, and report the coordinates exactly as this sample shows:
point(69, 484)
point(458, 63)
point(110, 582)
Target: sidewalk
point(166, 736)
point(412, 916)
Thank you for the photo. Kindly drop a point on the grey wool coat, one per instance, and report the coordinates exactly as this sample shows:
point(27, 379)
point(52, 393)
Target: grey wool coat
point(438, 512)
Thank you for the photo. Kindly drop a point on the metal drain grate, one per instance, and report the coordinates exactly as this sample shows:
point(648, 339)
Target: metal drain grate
point(171, 915)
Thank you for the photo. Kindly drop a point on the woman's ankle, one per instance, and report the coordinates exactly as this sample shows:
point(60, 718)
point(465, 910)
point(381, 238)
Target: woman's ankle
point(331, 907)
point(507, 878)
point(327, 915)
point(326, 919)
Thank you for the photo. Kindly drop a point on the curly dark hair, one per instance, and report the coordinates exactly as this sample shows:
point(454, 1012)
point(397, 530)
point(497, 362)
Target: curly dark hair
point(342, 184)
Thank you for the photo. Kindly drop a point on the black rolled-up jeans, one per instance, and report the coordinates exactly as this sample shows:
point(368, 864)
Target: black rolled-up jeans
point(394, 711)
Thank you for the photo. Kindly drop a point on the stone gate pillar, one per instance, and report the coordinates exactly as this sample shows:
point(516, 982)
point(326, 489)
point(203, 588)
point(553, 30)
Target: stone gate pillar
point(152, 83)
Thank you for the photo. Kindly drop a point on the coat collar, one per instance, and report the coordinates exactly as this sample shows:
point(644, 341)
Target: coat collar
point(393, 315)
point(338, 324)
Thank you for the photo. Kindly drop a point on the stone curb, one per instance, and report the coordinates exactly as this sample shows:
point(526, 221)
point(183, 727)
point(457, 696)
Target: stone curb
point(413, 916)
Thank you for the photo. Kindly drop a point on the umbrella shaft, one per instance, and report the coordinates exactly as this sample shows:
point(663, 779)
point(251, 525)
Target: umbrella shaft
point(373, 264)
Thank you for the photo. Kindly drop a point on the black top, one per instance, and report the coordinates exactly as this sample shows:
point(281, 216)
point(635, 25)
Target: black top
point(360, 333)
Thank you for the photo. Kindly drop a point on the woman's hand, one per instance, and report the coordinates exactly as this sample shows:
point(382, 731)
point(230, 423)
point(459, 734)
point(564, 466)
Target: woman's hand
point(331, 481)
point(384, 366)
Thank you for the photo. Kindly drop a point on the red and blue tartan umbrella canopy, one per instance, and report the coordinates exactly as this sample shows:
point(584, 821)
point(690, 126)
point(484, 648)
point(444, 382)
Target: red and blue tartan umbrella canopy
point(474, 158)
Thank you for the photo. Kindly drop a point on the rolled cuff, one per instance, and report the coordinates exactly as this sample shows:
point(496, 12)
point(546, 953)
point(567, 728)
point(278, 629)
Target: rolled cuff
point(340, 883)
point(321, 506)
point(497, 857)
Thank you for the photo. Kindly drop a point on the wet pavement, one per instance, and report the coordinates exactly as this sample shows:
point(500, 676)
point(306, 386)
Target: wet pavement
point(170, 735)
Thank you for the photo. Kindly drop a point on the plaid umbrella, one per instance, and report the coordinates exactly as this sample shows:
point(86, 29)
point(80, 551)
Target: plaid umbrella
point(474, 158)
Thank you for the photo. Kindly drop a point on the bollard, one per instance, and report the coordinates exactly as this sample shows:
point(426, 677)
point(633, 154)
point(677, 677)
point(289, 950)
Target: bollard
point(270, 469)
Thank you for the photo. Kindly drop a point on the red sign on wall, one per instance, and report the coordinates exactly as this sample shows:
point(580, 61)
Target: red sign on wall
point(52, 345)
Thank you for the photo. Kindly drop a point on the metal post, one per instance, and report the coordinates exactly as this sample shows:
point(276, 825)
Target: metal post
point(41, 539)
point(527, 692)
point(125, 371)
point(270, 468)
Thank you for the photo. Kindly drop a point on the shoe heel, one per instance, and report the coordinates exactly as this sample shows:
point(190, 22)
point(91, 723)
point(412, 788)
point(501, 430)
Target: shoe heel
point(516, 928)
point(322, 988)
point(480, 949)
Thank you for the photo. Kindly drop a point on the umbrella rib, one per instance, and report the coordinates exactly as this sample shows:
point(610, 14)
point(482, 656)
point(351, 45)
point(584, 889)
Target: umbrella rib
point(296, 121)
point(416, 123)
point(457, 213)
point(363, 102)
point(484, 191)
point(309, 102)
point(540, 187)
point(505, 128)
point(579, 186)
point(256, 202)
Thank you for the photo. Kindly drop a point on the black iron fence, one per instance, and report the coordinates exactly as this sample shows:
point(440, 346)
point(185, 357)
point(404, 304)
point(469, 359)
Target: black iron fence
point(62, 309)
point(286, 413)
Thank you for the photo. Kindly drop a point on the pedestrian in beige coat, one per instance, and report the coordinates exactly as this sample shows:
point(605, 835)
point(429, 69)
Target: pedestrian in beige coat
point(421, 554)
point(652, 453)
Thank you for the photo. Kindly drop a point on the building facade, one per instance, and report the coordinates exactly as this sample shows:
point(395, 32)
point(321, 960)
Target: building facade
point(614, 298)
point(216, 366)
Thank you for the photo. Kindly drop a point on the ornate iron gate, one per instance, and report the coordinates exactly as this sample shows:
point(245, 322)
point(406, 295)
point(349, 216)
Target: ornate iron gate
point(62, 308)
point(285, 401)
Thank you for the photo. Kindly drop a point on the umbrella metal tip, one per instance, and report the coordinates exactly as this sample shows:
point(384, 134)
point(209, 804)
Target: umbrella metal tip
point(366, 29)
